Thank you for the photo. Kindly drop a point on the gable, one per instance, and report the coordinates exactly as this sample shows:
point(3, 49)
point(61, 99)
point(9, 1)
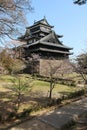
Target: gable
point(51, 38)
point(44, 21)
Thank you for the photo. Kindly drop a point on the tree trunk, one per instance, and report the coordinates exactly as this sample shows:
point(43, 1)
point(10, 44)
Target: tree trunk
point(50, 94)
point(19, 95)
point(18, 101)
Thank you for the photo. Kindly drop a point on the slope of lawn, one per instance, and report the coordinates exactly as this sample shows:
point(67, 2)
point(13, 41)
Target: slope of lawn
point(33, 100)
point(42, 86)
point(38, 85)
point(37, 94)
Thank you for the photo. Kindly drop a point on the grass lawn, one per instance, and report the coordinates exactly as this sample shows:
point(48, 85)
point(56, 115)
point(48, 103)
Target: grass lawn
point(43, 87)
point(39, 88)
point(35, 99)
point(37, 95)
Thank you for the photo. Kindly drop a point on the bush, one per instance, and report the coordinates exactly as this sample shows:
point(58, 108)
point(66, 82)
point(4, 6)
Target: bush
point(11, 115)
point(51, 102)
point(58, 101)
point(76, 94)
point(25, 113)
point(68, 82)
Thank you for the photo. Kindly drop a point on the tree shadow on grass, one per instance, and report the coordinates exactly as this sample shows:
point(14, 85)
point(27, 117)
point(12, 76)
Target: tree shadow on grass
point(7, 107)
point(8, 112)
point(65, 93)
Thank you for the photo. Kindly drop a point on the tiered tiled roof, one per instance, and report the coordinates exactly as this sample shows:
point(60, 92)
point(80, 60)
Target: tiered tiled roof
point(41, 37)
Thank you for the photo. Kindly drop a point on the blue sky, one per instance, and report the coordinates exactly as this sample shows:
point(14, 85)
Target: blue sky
point(68, 20)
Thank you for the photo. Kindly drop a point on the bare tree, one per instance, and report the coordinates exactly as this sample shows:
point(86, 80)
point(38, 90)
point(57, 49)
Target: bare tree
point(54, 70)
point(53, 77)
point(12, 17)
point(81, 66)
point(32, 63)
point(11, 64)
point(20, 87)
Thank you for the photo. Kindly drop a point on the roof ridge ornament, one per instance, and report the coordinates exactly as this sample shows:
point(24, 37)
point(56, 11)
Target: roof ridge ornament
point(34, 21)
point(44, 17)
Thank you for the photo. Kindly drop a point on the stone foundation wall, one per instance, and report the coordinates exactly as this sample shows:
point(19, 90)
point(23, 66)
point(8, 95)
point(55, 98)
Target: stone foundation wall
point(32, 67)
point(49, 66)
point(55, 67)
point(46, 67)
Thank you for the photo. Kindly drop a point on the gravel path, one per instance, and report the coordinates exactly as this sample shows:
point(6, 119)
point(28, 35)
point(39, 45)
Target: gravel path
point(55, 119)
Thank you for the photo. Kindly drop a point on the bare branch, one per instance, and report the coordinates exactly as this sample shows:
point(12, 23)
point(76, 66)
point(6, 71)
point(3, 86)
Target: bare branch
point(12, 16)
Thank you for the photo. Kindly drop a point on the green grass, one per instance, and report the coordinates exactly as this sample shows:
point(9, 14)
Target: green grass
point(73, 76)
point(38, 89)
point(6, 78)
point(59, 89)
point(38, 94)
point(39, 85)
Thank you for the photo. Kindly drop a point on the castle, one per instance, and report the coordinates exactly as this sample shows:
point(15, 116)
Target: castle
point(41, 40)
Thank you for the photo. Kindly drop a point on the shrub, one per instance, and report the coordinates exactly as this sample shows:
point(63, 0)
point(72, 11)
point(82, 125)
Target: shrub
point(68, 82)
point(58, 101)
point(11, 115)
point(76, 94)
point(25, 113)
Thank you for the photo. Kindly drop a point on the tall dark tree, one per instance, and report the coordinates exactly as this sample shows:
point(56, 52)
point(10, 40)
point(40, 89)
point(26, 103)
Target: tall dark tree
point(80, 2)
